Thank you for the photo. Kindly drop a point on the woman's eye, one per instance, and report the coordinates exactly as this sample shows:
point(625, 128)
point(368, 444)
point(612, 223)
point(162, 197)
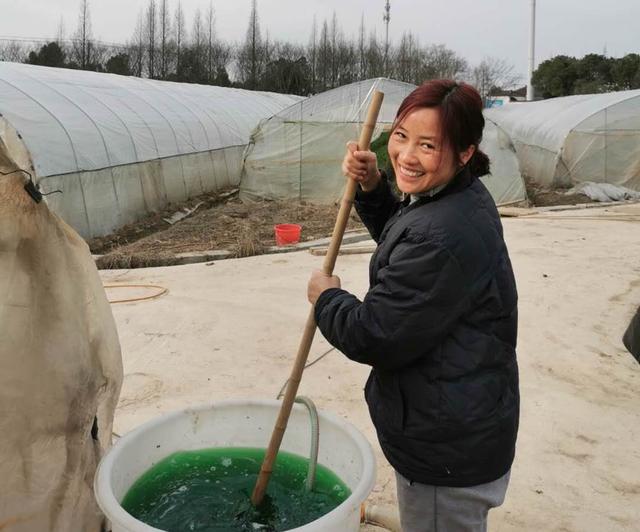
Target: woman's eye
point(399, 134)
point(428, 146)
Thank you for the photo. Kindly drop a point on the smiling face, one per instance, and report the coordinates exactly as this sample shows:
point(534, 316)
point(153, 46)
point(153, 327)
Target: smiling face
point(419, 158)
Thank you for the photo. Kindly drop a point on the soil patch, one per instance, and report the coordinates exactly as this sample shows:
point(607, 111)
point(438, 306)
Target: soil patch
point(544, 197)
point(155, 222)
point(222, 222)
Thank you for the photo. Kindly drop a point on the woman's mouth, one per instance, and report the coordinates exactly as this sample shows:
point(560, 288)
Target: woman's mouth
point(411, 173)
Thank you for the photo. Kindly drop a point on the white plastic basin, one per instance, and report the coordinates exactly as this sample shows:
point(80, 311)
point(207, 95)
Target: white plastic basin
point(237, 424)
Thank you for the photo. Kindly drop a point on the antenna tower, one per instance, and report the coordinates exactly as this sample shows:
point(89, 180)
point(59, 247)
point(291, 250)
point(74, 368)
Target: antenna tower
point(386, 18)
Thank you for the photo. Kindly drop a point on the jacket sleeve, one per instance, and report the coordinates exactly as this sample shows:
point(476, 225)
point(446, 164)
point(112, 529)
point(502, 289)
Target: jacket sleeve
point(413, 304)
point(376, 207)
point(631, 338)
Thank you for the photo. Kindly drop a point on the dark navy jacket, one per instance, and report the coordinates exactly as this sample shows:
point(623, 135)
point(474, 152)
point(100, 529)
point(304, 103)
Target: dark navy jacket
point(438, 326)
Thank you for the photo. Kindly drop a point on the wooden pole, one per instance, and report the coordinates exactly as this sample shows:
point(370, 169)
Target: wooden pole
point(310, 327)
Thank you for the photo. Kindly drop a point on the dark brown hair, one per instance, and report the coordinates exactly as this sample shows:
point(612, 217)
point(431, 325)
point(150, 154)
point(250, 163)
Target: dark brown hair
point(461, 120)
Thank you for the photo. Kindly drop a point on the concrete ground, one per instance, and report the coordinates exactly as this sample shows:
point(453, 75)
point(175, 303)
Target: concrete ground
point(230, 329)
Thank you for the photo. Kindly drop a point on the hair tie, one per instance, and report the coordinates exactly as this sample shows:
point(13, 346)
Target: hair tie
point(450, 91)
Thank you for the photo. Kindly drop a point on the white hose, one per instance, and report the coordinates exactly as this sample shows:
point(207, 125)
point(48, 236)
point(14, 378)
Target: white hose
point(382, 516)
point(386, 517)
point(315, 439)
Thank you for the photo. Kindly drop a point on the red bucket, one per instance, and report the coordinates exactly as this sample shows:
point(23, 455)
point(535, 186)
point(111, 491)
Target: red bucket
point(287, 234)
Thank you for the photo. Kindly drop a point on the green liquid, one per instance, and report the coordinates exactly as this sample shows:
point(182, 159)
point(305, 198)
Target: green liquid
point(210, 490)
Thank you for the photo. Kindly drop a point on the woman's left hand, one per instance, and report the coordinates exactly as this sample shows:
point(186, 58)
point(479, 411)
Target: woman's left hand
point(320, 282)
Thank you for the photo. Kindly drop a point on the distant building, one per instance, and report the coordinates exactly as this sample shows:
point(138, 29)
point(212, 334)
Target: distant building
point(499, 97)
point(498, 101)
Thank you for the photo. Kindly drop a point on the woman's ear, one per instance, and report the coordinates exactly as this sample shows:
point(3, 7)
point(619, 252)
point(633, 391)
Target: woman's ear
point(465, 155)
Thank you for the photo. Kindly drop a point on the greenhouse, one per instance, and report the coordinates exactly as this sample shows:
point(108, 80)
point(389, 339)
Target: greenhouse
point(121, 147)
point(587, 138)
point(505, 182)
point(296, 154)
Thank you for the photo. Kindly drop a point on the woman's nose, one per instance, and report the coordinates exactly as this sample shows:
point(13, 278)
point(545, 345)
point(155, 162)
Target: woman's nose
point(408, 155)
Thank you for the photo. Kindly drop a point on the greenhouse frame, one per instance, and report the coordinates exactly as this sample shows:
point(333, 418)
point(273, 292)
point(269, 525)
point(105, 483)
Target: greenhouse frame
point(120, 147)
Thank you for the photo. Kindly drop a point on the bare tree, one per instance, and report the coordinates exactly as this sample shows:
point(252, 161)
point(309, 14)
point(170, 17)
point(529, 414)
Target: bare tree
point(210, 20)
point(347, 62)
point(222, 54)
point(61, 39)
point(82, 43)
point(362, 48)
point(61, 33)
point(250, 57)
point(313, 53)
point(136, 47)
point(267, 49)
point(162, 47)
point(375, 56)
point(195, 69)
point(335, 36)
point(151, 37)
point(165, 32)
point(99, 55)
point(197, 33)
point(13, 52)
point(180, 34)
point(493, 73)
point(405, 58)
point(438, 62)
point(287, 70)
point(254, 42)
point(324, 57)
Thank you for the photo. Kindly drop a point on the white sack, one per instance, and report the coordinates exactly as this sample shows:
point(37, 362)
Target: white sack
point(60, 368)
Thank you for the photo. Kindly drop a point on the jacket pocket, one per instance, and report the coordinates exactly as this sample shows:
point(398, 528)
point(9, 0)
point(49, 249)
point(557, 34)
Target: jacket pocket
point(385, 401)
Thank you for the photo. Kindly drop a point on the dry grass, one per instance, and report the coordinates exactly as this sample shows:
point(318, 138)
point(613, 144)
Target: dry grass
point(226, 224)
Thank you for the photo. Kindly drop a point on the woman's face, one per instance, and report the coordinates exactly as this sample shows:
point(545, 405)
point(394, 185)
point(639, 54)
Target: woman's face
point(419, 159)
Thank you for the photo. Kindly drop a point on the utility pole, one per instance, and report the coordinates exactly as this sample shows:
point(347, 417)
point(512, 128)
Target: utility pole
point(386, 18)
point(532, 50)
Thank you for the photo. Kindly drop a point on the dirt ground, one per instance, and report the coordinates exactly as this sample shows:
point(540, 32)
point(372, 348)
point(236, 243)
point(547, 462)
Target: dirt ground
point(230, 329)
point(544, 197)
point(222, 222)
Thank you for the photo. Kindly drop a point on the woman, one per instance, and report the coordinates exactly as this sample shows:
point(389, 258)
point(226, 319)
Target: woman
point(438, 324)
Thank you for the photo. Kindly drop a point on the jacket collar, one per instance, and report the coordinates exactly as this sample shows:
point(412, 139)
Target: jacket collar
point(458, 182)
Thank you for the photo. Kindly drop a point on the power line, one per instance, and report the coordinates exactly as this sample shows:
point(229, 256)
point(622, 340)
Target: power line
point(41, 40)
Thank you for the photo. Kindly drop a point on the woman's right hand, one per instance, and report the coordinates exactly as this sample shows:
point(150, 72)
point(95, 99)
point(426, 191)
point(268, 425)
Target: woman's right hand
point(361, 166)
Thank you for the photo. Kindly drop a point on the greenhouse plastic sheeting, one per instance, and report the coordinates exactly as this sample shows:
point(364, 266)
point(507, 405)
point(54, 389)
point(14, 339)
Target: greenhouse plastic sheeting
point(297, 153)
point(564, 141)
point(505, 182)
point(99, 137)
point(60, 366)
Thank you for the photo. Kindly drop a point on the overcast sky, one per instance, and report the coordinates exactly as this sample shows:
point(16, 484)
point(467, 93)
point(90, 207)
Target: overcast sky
point(473, 28)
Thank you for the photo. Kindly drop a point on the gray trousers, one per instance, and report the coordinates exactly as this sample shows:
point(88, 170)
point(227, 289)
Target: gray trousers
point(425, 508)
